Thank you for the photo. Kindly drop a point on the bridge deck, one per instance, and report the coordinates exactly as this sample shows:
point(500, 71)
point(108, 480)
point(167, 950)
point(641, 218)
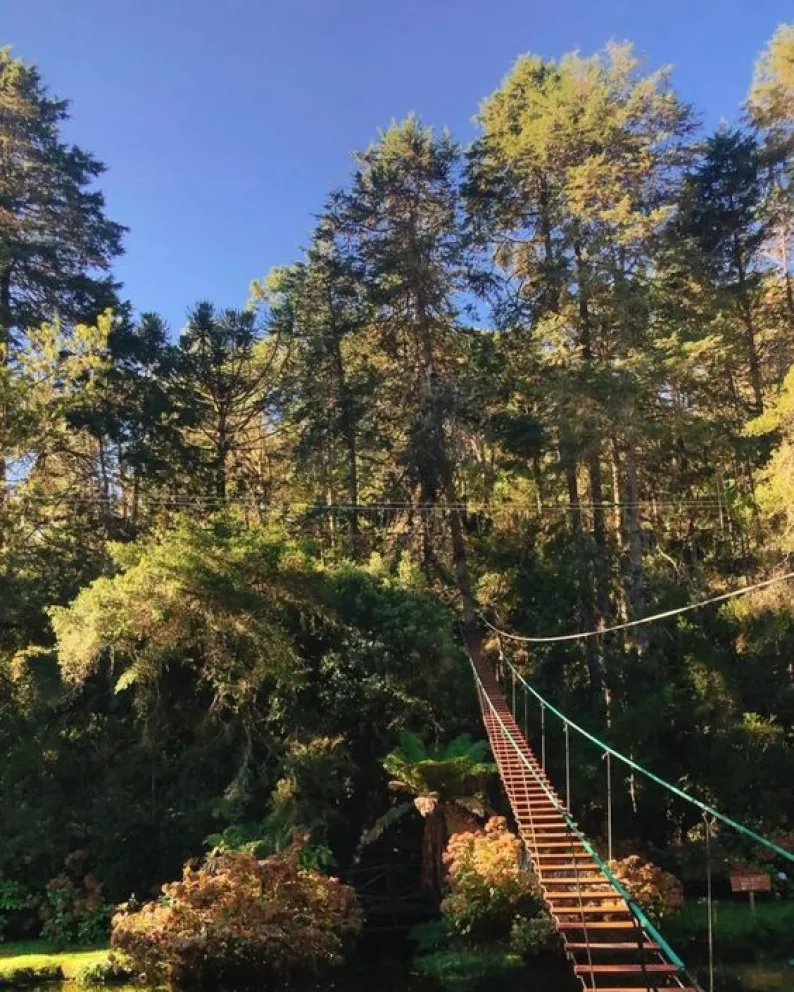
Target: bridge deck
point(606, 946)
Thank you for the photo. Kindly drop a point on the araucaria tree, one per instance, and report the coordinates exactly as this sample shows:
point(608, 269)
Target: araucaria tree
point(56, 244)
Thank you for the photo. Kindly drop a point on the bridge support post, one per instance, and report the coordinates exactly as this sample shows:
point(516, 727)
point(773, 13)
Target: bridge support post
point(709, 906)
point(609, 804)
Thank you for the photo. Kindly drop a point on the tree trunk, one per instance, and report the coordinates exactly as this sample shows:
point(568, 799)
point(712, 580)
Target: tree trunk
point(349, 439)
point(5, 360)
point(585, 584)
point(434, 841)
point(636, 590)
point(221, 457)
point(600, 562)
point(746, 311)
point(444, 469)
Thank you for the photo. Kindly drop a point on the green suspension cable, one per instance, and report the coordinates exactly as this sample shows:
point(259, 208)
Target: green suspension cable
point(703, 807)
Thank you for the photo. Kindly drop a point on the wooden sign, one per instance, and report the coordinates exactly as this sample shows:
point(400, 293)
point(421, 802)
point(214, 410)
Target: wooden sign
point(751, 882)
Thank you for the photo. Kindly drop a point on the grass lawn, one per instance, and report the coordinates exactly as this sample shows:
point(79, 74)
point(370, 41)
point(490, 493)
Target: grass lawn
point(739, 935)
point(39, 954)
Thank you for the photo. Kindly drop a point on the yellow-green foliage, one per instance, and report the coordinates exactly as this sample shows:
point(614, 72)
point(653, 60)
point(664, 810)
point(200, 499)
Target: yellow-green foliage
point(37, 954)
point(657, 891)
point(209, 596)
point(776, 493)
point(771, 100)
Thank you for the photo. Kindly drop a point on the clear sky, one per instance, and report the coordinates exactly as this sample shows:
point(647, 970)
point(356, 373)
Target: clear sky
point(225, 123)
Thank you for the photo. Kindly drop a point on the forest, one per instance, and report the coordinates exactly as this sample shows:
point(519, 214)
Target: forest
point(545, 379)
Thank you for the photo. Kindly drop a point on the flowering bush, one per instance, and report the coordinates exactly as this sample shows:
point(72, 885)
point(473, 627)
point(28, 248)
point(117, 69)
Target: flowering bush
point(658, 892)
point(74, 912)
point(236, 920)
point(488, 888)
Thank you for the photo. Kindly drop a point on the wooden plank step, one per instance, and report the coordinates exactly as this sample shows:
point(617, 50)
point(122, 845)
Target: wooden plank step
point(586, 895)
point(626, 969)
point(553, 884)
point(546, 832)
point(584, 878)
point(617, 945)
point(597, 925)
point(559, 844)
point(592, 911)
point(559, 861)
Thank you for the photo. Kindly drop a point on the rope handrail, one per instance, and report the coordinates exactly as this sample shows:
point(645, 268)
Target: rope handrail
point(557, 638)
point(635, 909)
point(703, 807)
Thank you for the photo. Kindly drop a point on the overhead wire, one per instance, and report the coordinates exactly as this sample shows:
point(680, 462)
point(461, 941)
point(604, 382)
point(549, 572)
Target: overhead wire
point(581, 635)
point(459, 506)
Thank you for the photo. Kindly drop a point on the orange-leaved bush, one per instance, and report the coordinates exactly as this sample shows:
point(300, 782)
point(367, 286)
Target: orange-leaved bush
point(236, 921)
point(488, 887)
point(658, 892)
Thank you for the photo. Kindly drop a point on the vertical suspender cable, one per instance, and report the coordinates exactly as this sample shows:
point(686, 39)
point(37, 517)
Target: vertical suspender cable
point(709, 906)
point(543, 736)
point(609, 804)
point(567, 769)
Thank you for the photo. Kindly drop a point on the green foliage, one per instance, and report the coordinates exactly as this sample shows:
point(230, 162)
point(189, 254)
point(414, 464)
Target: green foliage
point(450, 771)
point(432, 935)
point(531, 935)
point(109, 972)
point(739, 934)
point(14, 898)
point(240, 920)
point(465, 968)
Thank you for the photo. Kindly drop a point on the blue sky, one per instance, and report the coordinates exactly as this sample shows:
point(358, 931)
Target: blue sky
point(225, 123)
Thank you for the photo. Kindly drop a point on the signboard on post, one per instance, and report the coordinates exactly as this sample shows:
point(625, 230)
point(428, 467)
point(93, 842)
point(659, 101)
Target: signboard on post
point(757, 881)
point(751, 882)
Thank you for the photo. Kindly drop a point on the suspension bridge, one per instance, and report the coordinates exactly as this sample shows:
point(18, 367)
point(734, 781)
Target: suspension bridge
point(608, 939)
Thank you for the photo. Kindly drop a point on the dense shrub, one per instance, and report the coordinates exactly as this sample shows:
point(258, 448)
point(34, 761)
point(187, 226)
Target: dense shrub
point(658, 892)
point(74, 912)
point(492, 917)
point(237, 920)
point(530, 934)
point(110, 972)
point(488, 887)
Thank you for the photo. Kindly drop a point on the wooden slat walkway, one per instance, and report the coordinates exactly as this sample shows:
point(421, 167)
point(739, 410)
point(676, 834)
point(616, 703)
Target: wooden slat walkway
point(606, 947)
